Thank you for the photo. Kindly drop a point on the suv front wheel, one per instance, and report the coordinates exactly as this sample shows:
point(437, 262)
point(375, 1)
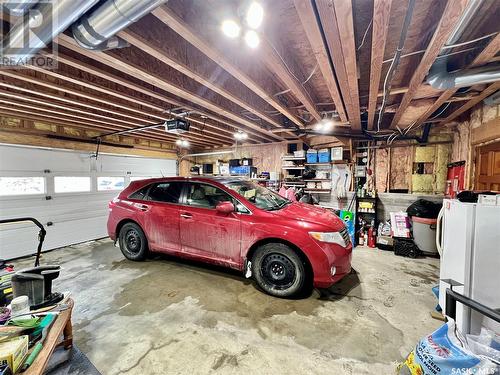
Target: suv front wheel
point(278, 270)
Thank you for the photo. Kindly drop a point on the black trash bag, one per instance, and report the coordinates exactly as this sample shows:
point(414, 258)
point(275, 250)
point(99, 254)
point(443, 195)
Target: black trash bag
point(424, 208)
point(309, 174)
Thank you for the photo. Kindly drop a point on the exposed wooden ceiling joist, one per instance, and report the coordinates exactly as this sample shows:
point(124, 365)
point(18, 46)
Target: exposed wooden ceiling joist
point(165, 15)
point(380, 26)
point(492, 88)
point(159, 81)
point(310, 25)
point(84, 114)
point(207, 127)
point(132, 86)
point(452, 13)
point(273, 60)
point(63, 120)
point(484, 57)
point(341, 16)
point(105, 126)
point(155, 51)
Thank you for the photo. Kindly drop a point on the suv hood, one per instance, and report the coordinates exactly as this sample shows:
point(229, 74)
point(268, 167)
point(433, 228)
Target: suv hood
point(312, 214)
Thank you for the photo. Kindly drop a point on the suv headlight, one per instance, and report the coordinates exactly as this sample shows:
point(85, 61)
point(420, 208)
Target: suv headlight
point(330, 237)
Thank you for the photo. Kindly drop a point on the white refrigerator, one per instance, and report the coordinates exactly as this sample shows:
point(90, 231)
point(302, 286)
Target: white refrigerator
point(469, 244)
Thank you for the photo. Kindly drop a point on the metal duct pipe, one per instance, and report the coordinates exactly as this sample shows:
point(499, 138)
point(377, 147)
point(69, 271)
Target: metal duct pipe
point(97, 31)
point(18, 7)
point(50, 18)
point(439, 77)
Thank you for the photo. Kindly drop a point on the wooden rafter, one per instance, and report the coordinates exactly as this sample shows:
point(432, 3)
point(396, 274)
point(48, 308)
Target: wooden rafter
point(165, 15)
point(207, 127)
point(326, 12)
point(105, 126)
point(274, 62)
point(484, 57)
point(492, 88)
point(155, 51)
point(106, 119)
point(452, 13)
point(341, 14)
point(63, 120)
point(307, 17)
point(381, 17)
point(159, 81)
point(132, 86)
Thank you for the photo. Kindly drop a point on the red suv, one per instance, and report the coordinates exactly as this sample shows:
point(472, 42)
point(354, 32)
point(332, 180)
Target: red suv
point(233, 222)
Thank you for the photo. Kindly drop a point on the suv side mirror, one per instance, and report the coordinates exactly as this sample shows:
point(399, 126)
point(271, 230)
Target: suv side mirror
point(225, 207)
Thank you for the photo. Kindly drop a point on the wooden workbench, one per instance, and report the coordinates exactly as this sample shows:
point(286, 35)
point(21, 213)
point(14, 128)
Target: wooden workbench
point(61, 326)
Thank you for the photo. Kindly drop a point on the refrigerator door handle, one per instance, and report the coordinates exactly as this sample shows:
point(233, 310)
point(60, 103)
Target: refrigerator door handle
point(439, 232)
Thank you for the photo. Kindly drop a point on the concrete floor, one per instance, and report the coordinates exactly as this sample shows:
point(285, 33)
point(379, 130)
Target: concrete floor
point(166, 316)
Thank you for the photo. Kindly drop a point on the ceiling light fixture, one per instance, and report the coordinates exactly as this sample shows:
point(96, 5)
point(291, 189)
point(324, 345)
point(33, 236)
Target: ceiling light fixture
point(240, 136)
point(255, 15)
point(231, 28)
point(182, 143)
point(252, 39)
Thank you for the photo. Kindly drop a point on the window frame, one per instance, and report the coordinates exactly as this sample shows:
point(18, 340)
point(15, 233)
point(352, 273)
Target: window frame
point(65, 193)
point(46, 186)
point(114, 191)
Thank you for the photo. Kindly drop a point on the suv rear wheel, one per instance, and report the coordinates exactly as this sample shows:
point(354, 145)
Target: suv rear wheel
point(278, 270)
point(133, 242)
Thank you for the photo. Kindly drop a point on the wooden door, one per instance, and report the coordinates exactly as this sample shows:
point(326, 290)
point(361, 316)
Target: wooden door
point(488, 167)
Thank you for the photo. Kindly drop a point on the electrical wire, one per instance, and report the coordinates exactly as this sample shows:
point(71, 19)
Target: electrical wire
point(364, 35)
point(469, 41)
point(395, 61)
point(448, 47)
point(310, 75)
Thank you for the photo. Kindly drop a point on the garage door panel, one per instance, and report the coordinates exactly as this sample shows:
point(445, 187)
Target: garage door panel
point(74, 217)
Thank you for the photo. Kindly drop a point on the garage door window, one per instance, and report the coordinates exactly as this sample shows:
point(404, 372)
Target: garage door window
point(22, 185)
point(110, 183)
point(64, 184)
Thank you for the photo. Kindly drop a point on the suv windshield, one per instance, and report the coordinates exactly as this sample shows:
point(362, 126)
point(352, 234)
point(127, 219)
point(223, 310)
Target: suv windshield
point(259, 196)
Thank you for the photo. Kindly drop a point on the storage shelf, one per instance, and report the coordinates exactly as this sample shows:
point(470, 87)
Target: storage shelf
point(295, 167)
point(318, 179)
point(292, 158)
point(330, 163)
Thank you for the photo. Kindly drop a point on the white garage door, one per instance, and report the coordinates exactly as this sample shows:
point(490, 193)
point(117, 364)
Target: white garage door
point(68, 192)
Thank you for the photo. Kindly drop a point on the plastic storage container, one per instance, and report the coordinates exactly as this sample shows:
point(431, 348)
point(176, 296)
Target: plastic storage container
point(324, 155)
point(424, 234)
point(312, 156)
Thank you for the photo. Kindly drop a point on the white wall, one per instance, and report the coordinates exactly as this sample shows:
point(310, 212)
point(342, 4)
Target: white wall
point(76, 217)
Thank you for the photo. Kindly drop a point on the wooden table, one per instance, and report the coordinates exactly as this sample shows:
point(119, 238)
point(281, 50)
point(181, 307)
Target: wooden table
point(62, 325)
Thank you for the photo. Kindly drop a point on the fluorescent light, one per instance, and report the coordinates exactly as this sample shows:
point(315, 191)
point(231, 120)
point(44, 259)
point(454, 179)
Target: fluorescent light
point(255, 15)
point(240, 136)
point(231, 28)
point(252, 39)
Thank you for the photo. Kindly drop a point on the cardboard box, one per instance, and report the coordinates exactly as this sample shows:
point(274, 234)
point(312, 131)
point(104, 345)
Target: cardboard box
point(12, 352)
point(299, 154)
point(337, 153)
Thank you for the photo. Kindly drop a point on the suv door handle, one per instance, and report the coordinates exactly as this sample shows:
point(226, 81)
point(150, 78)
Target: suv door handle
point(143, 207)
point(185, 215)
